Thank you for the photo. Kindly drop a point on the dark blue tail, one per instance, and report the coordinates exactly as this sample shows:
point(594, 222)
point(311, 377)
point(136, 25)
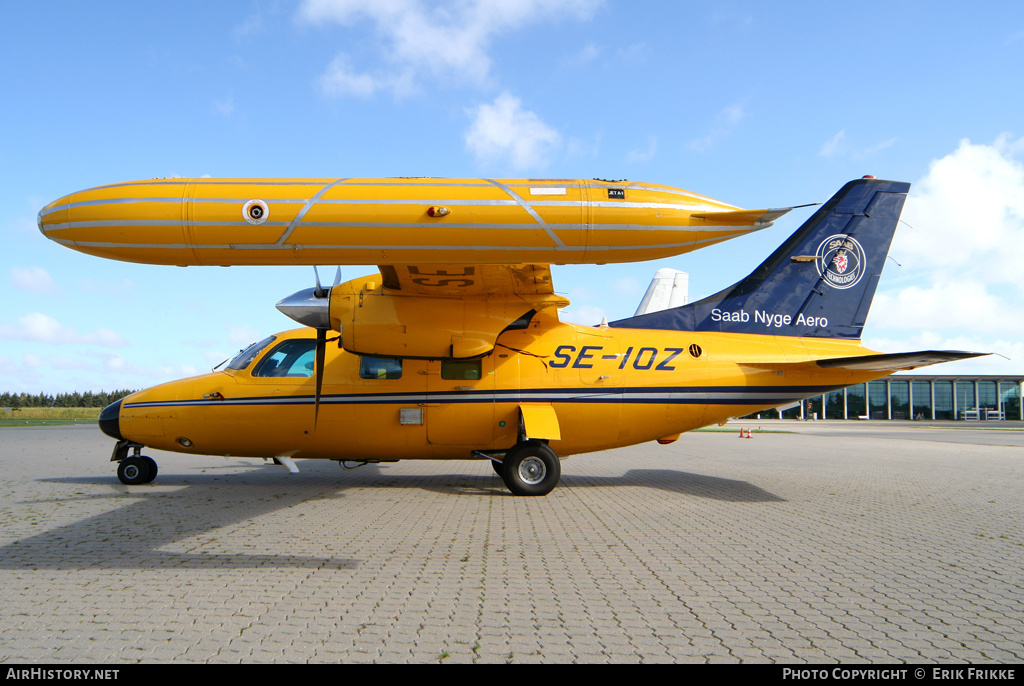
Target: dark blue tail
point(820, 282)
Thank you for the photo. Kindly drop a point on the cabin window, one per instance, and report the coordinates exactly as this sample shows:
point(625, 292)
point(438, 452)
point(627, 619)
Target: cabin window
point(294, 358)
point(242, 359)
point(461, 370)
point(380, 368)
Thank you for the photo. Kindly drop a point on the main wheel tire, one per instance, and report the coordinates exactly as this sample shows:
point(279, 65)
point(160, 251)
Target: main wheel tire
point(134, 471)
point(498, 467)
point(531, 468)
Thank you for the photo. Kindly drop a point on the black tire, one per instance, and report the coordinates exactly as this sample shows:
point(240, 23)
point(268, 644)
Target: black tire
point(151, 463)
point(134, 471)
point(531, 468)
point(498, 467)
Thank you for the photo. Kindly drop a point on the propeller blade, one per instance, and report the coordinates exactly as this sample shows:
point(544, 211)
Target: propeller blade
point(319, 291)
point(321, 350)
point(337, 277)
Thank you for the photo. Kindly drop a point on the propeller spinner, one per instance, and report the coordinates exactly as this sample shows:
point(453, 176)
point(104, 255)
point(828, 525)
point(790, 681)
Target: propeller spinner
point(312, 307)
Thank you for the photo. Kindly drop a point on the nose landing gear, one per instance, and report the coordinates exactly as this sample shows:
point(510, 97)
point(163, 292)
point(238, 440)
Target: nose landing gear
point(134, 470)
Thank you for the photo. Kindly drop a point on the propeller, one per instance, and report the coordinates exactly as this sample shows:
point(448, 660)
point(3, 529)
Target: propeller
point(312, 307)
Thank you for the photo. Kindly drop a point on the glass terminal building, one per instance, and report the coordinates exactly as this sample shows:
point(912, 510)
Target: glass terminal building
point(920, 397)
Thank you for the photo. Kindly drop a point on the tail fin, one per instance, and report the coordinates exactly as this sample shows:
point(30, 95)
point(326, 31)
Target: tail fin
point(820, 282)
point(669, 288)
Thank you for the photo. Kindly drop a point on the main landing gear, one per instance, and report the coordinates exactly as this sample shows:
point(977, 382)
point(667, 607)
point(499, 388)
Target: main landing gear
point(529, 468)
point(134, 470)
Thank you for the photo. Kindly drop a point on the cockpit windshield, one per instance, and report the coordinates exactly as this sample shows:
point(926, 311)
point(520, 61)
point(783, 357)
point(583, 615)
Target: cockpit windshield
point(242, 359)
point(296, 357)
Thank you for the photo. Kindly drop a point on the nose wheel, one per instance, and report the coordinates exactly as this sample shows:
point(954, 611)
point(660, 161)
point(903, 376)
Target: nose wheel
point(530, 468)
point(133, 471)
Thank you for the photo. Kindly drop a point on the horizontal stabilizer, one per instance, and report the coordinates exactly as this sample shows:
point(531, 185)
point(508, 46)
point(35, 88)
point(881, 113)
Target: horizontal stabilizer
point(894, 362)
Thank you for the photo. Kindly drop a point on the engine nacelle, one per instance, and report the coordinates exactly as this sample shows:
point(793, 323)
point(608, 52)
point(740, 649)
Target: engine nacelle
point(374, 320)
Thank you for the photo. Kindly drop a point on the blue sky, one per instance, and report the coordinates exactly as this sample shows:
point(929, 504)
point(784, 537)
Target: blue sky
point(756, 104)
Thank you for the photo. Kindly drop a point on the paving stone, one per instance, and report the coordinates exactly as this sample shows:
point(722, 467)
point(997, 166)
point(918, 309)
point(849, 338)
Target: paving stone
point(840, 543)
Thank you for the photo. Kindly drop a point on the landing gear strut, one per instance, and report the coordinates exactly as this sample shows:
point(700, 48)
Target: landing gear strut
point(530, 468)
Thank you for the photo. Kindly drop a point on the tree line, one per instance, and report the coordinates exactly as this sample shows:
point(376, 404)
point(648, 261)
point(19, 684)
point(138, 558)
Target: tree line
point(76, 399)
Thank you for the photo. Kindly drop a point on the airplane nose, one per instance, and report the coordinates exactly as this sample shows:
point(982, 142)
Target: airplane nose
point(55, 216)
point(109, 420)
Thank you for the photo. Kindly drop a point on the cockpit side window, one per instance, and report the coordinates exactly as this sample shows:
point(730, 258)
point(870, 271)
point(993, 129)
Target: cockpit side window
point(242, 359)
point(294, 358)
point(380, 368)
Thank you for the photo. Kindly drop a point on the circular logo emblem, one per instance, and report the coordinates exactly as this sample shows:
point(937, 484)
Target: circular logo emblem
point(255, 211)
point(840, 261)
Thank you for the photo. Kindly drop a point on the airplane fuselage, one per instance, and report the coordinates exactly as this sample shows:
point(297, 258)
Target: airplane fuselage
point(600, 387)
point(391, 221)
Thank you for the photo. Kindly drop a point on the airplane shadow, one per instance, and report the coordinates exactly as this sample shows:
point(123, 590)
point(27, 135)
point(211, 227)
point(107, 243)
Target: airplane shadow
point(684, 483)
point(178, 507)
point(153, 517)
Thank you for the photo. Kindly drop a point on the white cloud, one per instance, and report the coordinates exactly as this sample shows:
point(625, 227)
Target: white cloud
point(872, 149)
point(225, 107)
point(243, 335)
point(833, 145)
point(838, 146)
point(18, 377)
point(34, 279)
point(340, 79)
point(725, 123)
point(960, 285)
point(587, 54)
point(576, 148)
point(732, 17)
point(628, 287)
point(646, 155)
point(504, 131)
point(41, 328)
point(955, 304)
point(66, 363)
point(251, 26)
point(967, 214)
point(428, 40)
point(636, 53)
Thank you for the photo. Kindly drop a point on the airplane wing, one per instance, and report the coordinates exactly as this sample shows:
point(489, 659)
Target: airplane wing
point(895, 362)
point(531, 282)
point(434, 310)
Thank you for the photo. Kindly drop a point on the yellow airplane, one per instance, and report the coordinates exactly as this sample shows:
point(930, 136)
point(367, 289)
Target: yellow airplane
point(455, 354)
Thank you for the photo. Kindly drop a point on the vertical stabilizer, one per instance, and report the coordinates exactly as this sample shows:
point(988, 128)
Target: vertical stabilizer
point(820, 282)
point(669, 288)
